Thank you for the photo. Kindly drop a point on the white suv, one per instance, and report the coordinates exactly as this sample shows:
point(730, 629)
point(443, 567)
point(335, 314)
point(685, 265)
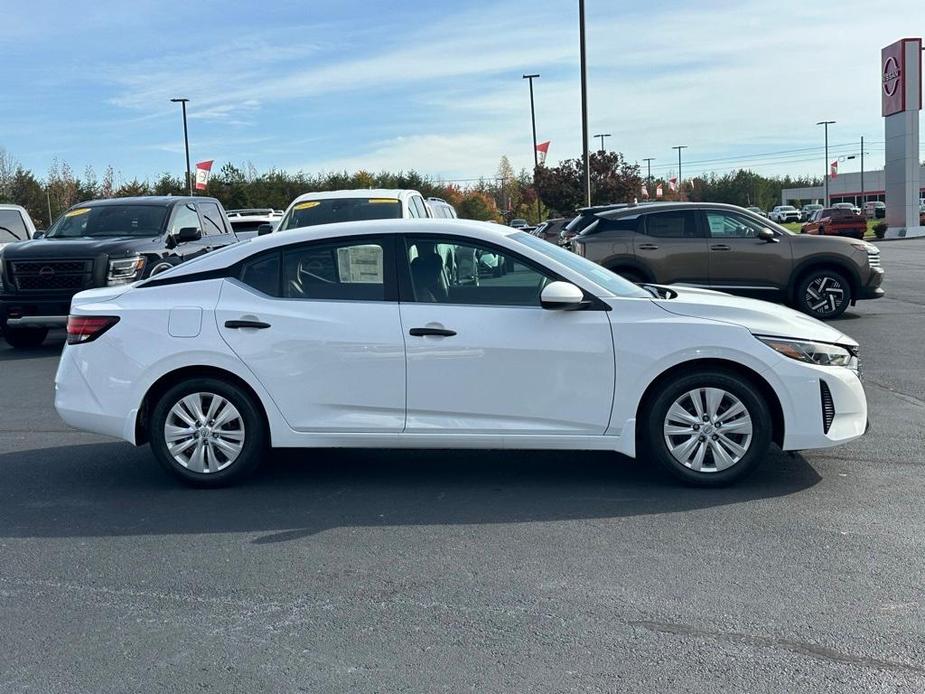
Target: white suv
point(364, 204)
point(15, 224)
point(784, 213)
point(246, 223)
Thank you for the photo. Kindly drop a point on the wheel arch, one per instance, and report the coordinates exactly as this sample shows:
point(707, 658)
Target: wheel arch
point(753, 377)
point(617, 263)
point(171, 378)
point(827, 262)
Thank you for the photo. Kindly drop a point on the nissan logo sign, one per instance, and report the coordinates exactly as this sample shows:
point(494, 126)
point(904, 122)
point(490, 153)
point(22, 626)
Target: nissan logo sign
point(891, 76)
point(46, 271)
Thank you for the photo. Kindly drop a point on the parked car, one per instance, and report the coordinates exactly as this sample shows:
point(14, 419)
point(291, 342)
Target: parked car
point(585, 216)
point(518, 223)
point(727, 248)
point(784, 213)
point(353, 336)
point(330, 206)
point(97, 244)
point(850, 206)
point(15, 224)
point(757, 210)
point(441, 209)
point(551, 228)
point(247, 222)
point(874, 209)
point(807, 211)
point(836, 221)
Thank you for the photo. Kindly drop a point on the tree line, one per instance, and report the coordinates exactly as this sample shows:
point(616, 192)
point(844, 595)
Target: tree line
point(502, 197)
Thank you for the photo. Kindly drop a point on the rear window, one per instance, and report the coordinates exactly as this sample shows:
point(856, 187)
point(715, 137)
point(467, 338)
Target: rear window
point(314, 212)
point(12, 226)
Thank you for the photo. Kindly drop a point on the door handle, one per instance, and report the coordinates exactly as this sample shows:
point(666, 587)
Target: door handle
point(234, 324)
point(648, 247)
point(439, 332)
point(720, 247)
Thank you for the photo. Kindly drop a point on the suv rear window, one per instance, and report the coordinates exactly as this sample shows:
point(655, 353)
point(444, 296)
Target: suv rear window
point(314, 212)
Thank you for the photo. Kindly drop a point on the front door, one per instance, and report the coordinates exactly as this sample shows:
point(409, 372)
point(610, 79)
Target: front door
point(216, 230)
point(185, 216)
point(673, 248)
point(483, 357)
point(741, 262)
point(318, 325)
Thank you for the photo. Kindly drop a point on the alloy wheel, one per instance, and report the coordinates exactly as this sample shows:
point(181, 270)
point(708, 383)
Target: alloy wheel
point(824, 295)
point(708, 429)
point(204, 432)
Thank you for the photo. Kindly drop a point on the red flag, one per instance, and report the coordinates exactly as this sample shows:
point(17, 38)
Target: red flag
point(673, 183)
point(645, 192)
point(658, 190)
point(542, 150)
point(203, 169)
point(833, 169)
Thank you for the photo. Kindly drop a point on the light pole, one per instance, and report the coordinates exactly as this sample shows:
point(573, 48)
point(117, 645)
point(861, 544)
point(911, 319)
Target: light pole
point(648, 161)
point(602, 136)
point(536, 161)
point(826, 124)
point(189, 174)
point(679, 148)
point(584, 101)
point(862, 172)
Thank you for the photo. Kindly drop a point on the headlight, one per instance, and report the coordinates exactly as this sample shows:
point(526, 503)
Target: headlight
point(866, 247)
point(125, 270)
point(819, 353)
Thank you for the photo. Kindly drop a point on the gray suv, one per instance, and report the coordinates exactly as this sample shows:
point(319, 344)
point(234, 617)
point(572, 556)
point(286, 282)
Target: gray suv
point(730, 249)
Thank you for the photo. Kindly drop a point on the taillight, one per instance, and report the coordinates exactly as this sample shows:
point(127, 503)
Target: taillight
point(82, 329)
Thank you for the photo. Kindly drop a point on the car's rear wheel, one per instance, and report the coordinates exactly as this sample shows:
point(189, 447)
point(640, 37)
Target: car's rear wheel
point(823, 294)
point(24, 338)
point(708, 428)
point(208, 432)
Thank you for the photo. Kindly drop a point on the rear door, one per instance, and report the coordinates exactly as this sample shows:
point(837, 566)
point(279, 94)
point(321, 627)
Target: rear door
point(318, 325)
point(742, 262)
point(673, 248)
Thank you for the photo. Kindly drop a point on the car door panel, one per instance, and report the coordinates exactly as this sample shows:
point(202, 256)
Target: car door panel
point(673, 248)
point(745, 263)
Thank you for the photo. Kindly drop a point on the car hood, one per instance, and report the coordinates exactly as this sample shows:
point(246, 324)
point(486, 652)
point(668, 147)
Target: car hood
point(760, 317)
point(82, 246)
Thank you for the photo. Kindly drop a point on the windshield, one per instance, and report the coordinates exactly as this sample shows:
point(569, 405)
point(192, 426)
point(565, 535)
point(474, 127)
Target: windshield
point(110, 220)
point(787, 208)
point(615, 284)
point(312, 212)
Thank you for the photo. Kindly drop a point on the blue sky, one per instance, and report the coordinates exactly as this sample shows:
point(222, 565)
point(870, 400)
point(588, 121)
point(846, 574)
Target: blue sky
point(436, 87)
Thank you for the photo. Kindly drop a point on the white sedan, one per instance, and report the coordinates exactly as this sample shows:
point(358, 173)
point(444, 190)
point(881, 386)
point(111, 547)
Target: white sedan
point(356, 335)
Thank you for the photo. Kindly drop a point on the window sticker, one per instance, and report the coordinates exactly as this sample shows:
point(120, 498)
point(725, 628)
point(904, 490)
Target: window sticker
point(76, 213)
point(307, 205)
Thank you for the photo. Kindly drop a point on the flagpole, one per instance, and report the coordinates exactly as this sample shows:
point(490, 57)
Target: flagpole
point(536, 162)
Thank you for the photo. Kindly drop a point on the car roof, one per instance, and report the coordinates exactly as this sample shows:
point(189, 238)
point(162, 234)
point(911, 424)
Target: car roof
point(160, 200)
point(627, 210)
point(397, 193)
point(229, 255)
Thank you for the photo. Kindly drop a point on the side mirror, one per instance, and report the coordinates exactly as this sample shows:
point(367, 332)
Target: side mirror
point(187, 234)
point(767, 235)
point(38, 235)
point(264, 229)
point(562, 296)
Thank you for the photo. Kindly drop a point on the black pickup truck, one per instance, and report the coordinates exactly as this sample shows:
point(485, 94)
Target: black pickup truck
point(97, 244)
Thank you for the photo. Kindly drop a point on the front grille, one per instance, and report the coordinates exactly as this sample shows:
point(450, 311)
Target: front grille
point(873, 258)
point(828, 406)
point(51, 275)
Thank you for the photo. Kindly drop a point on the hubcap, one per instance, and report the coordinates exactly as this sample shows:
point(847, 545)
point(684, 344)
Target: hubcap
point(824, 295)
point(204, 432)
point(708, 430)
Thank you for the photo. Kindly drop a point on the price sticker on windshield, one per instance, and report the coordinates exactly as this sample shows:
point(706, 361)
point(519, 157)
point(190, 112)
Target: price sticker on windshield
point(307, 205)
point(77, 212)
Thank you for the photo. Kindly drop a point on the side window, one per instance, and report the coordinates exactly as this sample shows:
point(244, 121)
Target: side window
point(672, 225)
point(12, 226)
point(451, 271)
point(262, 274)
point(212, 219)
point(412, 209)
point(619, 227)
point(184, 216)
point(724, 225)
point(420, 206)
point(350, 269)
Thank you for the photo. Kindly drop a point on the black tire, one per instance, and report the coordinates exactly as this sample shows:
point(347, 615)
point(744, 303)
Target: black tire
point(160, 266)
point(654, 446)
point(24, 338)
point(254, 429)
point(823, 294)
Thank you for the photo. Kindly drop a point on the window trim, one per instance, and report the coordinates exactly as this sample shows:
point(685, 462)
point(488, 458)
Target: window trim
point(406, 288)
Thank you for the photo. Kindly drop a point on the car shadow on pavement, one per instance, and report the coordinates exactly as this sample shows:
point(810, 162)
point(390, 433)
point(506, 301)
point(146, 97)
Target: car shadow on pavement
point(49, 348)
point(113, 489)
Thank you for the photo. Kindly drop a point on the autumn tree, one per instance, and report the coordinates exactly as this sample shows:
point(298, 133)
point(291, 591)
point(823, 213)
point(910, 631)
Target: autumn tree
point(613, 180)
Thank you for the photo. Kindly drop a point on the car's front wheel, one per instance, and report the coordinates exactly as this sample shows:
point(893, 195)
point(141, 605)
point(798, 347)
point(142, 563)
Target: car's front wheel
point(24, 338)
point(208, 432)
point(823, 294)
point(708, 428)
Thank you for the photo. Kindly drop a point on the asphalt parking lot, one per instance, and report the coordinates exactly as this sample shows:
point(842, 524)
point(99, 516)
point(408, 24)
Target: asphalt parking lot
point(435, 571)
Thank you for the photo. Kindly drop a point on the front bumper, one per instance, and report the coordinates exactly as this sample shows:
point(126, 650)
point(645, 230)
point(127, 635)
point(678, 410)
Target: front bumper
point(872, 290)
point(34, 311)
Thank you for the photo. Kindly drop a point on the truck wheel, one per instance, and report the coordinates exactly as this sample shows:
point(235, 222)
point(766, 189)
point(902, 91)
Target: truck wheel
point(823, 294)
point(24, 338)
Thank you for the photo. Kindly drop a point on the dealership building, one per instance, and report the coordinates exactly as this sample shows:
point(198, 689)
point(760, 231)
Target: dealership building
point(855, 188)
